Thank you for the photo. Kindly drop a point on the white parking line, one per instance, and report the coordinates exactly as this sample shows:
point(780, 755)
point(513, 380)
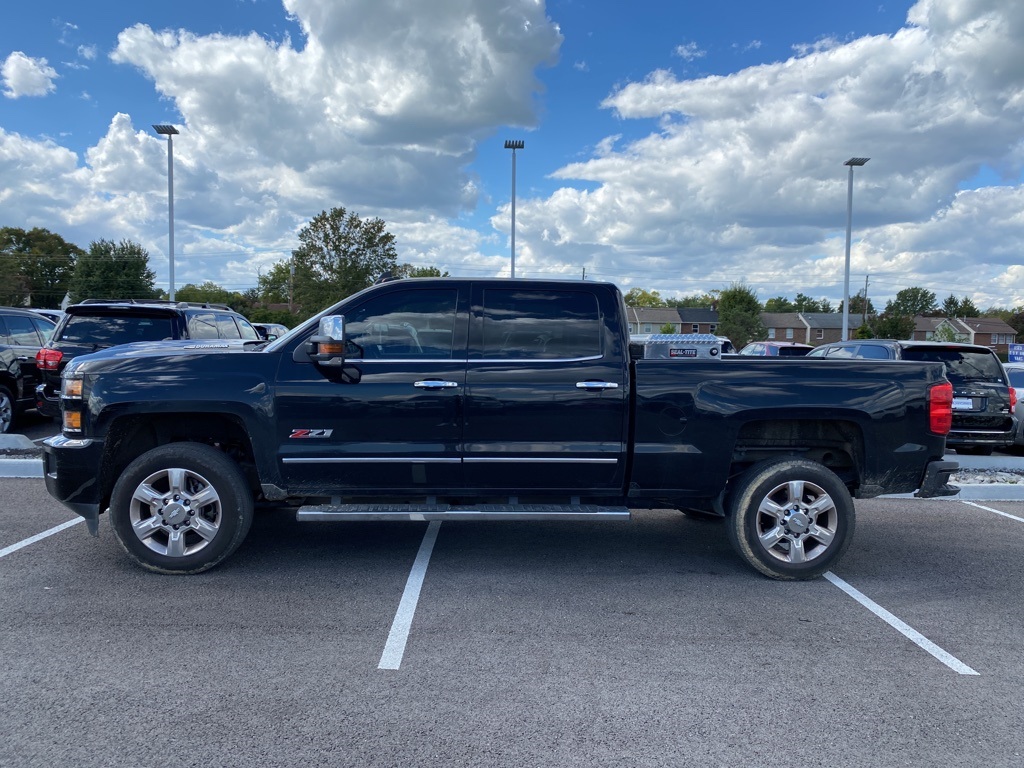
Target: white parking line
point(394, 649)
point(39, 536)
point(901, 626)
point(989, 509)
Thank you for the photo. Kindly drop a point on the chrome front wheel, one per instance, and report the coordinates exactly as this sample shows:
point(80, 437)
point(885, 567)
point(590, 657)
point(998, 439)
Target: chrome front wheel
point(181, 508)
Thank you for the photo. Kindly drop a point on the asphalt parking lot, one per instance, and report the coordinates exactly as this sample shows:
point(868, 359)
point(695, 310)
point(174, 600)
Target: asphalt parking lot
point(641, 643)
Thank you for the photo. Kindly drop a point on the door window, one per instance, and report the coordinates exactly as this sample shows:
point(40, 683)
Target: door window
point(22, 331)
point(202, 325)
point(403, 325)
point(521, 324)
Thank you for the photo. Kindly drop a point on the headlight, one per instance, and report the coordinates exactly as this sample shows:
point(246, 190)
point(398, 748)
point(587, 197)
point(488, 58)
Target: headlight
point(71, 403)
point(71, 387)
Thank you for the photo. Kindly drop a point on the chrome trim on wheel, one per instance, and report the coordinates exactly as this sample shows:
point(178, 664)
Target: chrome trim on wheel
point(175, 512)
point(796, 521)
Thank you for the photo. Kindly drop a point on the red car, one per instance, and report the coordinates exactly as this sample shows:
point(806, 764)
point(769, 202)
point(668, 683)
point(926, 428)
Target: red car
point(776, 349)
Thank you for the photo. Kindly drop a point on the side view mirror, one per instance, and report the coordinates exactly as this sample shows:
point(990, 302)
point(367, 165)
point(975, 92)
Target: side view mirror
point(327, 347)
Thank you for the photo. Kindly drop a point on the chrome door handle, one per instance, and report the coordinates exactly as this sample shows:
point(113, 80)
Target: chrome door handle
point(596, 385)
point(435, 384)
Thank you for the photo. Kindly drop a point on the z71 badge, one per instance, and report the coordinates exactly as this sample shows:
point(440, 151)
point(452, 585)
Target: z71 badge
point(304, 433)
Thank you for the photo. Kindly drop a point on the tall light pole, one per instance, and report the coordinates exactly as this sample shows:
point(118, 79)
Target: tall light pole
point(169, 131)
point(853, 161)
point(514, 144)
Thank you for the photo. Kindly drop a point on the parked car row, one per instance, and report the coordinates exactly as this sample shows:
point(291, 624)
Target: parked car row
point(22, 333)
point(37, 344)
point(984, 399)
point(95, 325)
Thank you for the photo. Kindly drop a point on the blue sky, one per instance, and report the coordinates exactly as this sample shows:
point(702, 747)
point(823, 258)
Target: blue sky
point(674, 146)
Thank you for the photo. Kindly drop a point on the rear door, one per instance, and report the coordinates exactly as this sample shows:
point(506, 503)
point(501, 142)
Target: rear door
point(546, 392)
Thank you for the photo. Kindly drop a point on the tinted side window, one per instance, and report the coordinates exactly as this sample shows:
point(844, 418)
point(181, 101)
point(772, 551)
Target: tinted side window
point(202, 325)
point(44, 329)
point(226, 327)
point(874, 352)
point(407, 324)
point(521, 324)
point(109, 331)
point(3, 332)
point(246, 331)
point(22, 331)
point(838, 352)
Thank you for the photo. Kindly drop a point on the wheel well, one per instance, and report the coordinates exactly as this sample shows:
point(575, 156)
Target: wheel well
point(838, 445)
point(11, 383)
point(131, 436)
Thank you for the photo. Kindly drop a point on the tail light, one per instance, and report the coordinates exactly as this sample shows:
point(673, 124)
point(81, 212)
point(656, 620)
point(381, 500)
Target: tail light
point(1013, 399)
point(48, 359)
point(940, 408)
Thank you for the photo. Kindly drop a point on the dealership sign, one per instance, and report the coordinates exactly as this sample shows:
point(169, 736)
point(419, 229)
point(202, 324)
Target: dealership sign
point(1016, 353)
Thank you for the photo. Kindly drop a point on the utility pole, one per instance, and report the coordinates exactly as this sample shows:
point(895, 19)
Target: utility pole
point(864, 306)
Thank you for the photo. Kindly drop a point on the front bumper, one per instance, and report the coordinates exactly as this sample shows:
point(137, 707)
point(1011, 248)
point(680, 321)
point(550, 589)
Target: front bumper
point(936, 480)
point(71, 470)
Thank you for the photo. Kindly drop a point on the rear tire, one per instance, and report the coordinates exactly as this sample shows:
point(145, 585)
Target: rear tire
point(181, 508)
point(790, 519)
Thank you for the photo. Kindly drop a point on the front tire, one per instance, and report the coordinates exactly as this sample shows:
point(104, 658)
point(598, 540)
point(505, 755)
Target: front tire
point(181, 508)
point(790, 519)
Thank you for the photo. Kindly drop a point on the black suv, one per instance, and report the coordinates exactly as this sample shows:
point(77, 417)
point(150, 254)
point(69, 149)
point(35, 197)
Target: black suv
point(22, 333)
point(95, 324)
point(983, 400)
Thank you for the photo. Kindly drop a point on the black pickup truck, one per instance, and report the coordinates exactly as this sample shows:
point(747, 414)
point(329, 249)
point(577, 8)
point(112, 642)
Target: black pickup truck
point(452, 399)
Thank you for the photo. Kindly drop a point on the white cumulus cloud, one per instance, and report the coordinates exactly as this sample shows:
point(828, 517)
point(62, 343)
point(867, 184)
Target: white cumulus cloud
point(24, 76)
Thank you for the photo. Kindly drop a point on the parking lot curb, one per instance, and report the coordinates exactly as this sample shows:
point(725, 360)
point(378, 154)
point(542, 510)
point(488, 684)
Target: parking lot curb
point(27, 467)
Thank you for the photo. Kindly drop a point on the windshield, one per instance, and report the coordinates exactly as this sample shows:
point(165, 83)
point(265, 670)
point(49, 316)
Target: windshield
point(962, 365)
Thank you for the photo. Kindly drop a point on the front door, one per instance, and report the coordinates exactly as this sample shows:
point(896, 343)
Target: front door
point(390, 419)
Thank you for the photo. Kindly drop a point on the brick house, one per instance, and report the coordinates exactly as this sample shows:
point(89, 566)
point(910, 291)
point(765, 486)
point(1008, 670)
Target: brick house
point(986, 331)
point(682, 319)
point(812, 328)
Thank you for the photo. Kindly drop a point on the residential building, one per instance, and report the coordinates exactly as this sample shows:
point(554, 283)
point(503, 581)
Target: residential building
point(682, 319)
point(986, 331)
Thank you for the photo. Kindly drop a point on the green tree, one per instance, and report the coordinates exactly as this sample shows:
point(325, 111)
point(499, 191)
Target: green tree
point(210, 292)
point(113, 271)
point(780, 304)
point(338, 255)
point(857, 305)
point(910, 302)
point(1016, 321)
point(667, 328)
point(274, 287)
point(954, 307)
point(739, 315)
point(892, 326)
point(804, 303)
point(407, 270)
point(638, 297)
point(702, 300)
point(36, 266)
